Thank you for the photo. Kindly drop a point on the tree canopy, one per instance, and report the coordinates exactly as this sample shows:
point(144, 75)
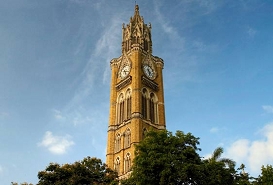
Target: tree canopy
point(88, 171)
point(218, 170)
point(161, 158)
point(266, 176)
point(164, 158)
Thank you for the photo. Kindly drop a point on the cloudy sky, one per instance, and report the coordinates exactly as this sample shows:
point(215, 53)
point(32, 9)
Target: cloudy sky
point(55, 77)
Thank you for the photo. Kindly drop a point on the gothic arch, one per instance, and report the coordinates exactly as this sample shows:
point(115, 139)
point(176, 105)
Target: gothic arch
point(128, 103)
point(149, 106)
point(118, 142)
point(120, 108)
point(153, 108)
point(127, 138)
point(127, 162)
point(124, 106)
point(144, 103)
point(117, 165)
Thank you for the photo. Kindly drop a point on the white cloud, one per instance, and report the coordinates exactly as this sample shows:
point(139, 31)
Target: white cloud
point(58, 115)
point(251, 32)
point(78, 119)
point(1, 169)
point(97, 69)
point(214, 130)
point(73, 115)
point(203, 47)
point(56, 144)
point(109, 45)
point(208, 5)
point(167, 28)
point(268, 108)
point(255, 153)
point(240, 148)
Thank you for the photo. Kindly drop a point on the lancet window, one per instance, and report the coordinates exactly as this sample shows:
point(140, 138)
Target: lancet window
point(149, 106)
point(117, 165)
point(153, 108)
point(128, 104)
point(127, 138)
point(144, 104)
point(120, 108)
point(127, 163)
point(118, 143)
point(124, 106)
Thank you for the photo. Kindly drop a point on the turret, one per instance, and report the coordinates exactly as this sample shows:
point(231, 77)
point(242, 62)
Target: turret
point(137, 33)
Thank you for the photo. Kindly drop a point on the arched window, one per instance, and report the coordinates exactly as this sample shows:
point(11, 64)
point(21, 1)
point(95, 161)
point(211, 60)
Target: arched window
point(120, 109)
point(144, 104)
point(128, 104)
point(127, 138)
point(127, 163)
point(117, 165)
point(118, 143)
point(152, 108)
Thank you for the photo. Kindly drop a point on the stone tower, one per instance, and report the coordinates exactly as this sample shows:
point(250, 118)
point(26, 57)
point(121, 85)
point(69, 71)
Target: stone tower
point(136, 94)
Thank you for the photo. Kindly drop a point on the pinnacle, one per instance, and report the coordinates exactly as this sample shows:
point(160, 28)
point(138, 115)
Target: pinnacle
point(136, 10)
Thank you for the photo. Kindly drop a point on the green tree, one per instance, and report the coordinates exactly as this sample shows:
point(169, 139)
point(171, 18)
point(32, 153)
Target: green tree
point(164, 158)
point(266, 177)
point(243, 178)
point(88, 171)
point(217, 170)
point(216, 157)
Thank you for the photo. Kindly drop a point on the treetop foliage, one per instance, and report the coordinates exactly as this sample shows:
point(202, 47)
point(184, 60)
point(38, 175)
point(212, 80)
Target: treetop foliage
point(88, 171)
point(160, 159)
point(167, 158)
point(163, 158)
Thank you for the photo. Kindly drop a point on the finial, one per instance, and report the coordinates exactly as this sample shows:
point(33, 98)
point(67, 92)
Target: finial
point(136, 8)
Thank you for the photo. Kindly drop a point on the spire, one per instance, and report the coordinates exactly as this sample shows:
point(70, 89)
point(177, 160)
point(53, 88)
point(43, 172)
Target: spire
point(136, 9)
point(136, 18)
point(136, 33)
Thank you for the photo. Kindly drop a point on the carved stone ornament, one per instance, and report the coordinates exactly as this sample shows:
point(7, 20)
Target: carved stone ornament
point(124, 83)
point(124, 67)
point(149, 83)
point(148, 66)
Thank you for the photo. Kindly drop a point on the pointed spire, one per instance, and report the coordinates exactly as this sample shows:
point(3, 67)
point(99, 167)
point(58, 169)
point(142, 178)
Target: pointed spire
point(136, 33)
point(136, 18)
point(136, 10)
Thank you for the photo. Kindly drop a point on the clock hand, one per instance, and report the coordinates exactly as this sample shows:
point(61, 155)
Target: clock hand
point(150, 72)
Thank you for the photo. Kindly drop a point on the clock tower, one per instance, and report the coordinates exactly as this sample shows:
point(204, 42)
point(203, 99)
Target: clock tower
point(136, 94)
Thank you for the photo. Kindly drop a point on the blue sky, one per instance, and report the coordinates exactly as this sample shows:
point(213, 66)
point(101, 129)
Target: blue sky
point(55, 77)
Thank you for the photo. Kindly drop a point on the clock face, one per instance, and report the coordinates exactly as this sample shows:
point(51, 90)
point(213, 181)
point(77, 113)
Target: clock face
point(124, 71)
point(149, 71)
